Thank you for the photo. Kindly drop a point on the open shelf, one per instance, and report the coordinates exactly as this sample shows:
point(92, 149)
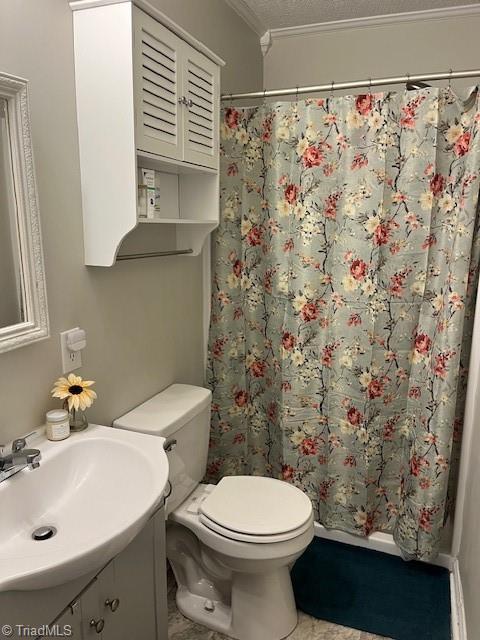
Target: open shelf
point(146, 238)
point(187, 201)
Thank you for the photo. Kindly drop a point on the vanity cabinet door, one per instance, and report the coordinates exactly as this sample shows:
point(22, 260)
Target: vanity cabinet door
point(93, 620)
point(68, 624)
point(158, 87)
point(127, 591)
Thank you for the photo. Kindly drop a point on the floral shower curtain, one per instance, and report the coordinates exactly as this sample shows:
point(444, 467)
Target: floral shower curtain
point(345, 270)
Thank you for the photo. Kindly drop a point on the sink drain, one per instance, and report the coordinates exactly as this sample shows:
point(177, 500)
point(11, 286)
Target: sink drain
point(44, 533)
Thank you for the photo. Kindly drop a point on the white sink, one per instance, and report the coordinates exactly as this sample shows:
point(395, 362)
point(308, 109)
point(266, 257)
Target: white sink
point(97, 488)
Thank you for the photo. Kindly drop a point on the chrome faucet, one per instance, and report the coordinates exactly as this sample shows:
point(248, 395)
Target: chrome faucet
point(19, 458)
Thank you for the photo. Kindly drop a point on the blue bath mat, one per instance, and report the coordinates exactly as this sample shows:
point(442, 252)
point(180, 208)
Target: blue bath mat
point(373, 591)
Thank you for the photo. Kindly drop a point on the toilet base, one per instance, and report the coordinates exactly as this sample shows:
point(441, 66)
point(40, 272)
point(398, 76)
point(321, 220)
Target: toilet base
point(237, 588)
point(193, 607)
point(263, 606)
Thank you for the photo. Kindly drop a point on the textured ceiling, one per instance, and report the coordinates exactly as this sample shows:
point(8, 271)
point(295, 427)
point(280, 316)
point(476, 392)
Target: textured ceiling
point(274, 14)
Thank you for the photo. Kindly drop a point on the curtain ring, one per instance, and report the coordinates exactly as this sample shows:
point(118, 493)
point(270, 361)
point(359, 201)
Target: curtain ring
point(296, 93)
point(264, 92)
point(370, 86)
point(331, 89)
point(450, 79)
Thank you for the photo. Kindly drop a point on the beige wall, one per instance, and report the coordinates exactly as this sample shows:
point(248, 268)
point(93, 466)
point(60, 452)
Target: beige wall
point(143, 319)
point(220, 28)
point(469, 507)
point(470, 544)
point(385, 50)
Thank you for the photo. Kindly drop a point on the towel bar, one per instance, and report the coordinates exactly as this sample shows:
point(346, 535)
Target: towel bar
point(154, 254)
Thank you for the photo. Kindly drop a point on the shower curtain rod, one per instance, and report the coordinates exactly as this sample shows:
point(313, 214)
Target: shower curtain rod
point(369, 82)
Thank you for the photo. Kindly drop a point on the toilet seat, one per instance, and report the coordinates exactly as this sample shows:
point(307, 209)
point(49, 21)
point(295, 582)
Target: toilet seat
point(256, 509)
point(188, 515)
point(262, 539)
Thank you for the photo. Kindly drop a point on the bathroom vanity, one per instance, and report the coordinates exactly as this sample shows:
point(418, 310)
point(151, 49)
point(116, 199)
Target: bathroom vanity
point(82, 547)
point(124, 601)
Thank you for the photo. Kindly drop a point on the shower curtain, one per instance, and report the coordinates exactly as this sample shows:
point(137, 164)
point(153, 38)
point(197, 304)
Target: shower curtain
point(344, 275)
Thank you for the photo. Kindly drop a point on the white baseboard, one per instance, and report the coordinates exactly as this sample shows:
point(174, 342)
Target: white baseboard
point(377, 542)
point(459, 627)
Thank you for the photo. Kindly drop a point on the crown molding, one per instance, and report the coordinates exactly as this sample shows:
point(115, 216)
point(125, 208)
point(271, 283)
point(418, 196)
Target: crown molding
point(374, 21)
point(243, 10)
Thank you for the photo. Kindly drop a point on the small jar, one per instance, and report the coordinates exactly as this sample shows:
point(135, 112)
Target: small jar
point(58, 424)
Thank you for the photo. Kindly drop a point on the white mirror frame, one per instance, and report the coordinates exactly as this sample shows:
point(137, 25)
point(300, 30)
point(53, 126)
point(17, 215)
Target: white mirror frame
point(35, 325)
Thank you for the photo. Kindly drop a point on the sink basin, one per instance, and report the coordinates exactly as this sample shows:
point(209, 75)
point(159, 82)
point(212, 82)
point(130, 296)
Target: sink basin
point(97, 489)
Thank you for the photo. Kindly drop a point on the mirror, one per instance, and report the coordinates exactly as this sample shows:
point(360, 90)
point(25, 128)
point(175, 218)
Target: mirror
point(23, 308)
point(12, 307)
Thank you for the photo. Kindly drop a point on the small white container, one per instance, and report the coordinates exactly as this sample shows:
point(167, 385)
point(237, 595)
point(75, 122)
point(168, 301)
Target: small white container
point(147, 179)
point(142, 201)
point(150, 203)
point(58, 424)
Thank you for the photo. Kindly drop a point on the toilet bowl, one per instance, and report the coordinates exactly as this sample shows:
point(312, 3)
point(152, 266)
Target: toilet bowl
point(230, 545)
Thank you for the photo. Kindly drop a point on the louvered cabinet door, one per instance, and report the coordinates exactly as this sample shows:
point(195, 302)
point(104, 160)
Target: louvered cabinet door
point(201, 111)
point(158, 82)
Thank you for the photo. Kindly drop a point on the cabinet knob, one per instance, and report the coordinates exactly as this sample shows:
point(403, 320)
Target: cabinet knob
point(97, 624)
point(112, 604)
point(186, 101)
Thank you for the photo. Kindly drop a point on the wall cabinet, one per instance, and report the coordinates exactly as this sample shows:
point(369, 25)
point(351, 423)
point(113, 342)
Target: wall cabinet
point(176, 95)
point(148, 96)
point(127, 599)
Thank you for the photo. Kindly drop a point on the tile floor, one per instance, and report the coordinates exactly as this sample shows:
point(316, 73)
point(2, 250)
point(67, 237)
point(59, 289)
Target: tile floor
point(308, 628)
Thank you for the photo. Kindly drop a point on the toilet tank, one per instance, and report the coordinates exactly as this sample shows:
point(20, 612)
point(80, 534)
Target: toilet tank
point(181, 415)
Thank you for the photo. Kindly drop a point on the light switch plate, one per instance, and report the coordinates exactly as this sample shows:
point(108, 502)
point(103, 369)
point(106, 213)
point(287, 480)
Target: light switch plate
point(71, 360)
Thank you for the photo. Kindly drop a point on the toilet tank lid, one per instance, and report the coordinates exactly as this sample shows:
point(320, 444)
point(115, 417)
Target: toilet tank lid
point(166, 412)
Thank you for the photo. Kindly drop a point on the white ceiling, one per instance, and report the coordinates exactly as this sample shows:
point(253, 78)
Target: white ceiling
point(276, 14)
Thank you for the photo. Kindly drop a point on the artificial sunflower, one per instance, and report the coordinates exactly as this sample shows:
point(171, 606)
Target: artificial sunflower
point(75, 392)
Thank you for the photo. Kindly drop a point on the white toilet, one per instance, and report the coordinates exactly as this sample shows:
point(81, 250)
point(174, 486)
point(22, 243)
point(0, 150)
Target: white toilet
point(231, 545)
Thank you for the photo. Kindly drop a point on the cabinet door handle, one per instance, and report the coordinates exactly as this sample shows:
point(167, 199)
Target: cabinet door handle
point(186, 101)
point(97, 624)
point(112, 604)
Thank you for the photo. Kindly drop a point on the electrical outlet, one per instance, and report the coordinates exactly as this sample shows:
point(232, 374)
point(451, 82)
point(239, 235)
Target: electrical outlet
point(70, 359)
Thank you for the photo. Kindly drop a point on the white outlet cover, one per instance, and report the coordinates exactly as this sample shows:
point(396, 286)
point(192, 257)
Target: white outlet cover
point(71, 360)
